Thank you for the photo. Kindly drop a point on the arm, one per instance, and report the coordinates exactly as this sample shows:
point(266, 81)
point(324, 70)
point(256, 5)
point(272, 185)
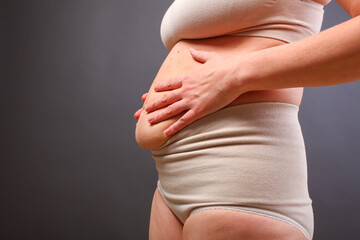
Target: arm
point(328, 58)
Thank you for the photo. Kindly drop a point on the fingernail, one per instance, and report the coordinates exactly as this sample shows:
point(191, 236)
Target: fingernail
point(150, 119)
point(167, 132)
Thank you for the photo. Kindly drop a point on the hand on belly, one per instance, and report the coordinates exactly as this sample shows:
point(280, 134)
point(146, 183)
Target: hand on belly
point(192, 85)
point(197, 93)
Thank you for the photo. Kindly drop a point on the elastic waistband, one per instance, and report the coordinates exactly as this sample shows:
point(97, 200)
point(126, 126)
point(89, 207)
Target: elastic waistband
point(260, 113)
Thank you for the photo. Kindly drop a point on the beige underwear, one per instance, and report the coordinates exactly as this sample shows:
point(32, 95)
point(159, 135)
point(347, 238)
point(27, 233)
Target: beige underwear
point(248, 158)
point(286, 20)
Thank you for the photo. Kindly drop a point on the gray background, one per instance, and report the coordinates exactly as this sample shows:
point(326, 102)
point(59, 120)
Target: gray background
point(72, 73)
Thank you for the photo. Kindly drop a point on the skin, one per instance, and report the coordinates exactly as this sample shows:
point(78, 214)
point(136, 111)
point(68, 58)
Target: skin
point(216, 225)
point(332, 54)
point(179, 62)
point(328, 58)
point(163, 223)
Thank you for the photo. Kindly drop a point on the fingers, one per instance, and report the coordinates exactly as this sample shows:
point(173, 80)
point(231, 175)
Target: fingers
point(144, 96)
point(168, 112)
point(138, 112)
point(171, 84)
point(200, 56)
point(185, 120)
point(164, 101)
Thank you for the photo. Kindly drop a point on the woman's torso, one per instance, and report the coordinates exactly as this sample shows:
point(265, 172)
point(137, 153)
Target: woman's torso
point(179, 62)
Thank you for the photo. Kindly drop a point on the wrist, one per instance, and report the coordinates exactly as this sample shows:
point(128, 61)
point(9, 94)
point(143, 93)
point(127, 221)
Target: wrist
point(246, 73)
point(260, 70)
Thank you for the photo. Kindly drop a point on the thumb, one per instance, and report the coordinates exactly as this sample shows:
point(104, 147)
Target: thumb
point(200, 56)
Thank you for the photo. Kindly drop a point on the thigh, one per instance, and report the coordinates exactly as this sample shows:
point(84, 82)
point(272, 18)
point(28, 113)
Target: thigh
point(164, 225)
point(221, 224)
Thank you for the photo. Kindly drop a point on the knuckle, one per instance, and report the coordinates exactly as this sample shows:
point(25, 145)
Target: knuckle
point(164, 99)
point(183, 120)
point(169, 110)
point(157, 103)
point(154, 106)
point(149, 107)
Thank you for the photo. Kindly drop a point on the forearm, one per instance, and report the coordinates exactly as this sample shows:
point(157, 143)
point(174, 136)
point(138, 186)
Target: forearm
point(328, 58)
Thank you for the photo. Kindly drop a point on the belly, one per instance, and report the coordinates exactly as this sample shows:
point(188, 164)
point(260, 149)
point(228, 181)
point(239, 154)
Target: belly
point(179, 61)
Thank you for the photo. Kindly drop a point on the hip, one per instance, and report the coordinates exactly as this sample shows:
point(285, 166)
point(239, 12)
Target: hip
point(249, 156)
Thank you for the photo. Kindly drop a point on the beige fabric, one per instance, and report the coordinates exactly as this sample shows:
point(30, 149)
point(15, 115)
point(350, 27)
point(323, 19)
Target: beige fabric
point(286, 20)
point(248, 157)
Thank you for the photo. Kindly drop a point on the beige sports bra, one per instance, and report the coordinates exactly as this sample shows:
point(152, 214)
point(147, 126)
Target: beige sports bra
point(286, 20)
